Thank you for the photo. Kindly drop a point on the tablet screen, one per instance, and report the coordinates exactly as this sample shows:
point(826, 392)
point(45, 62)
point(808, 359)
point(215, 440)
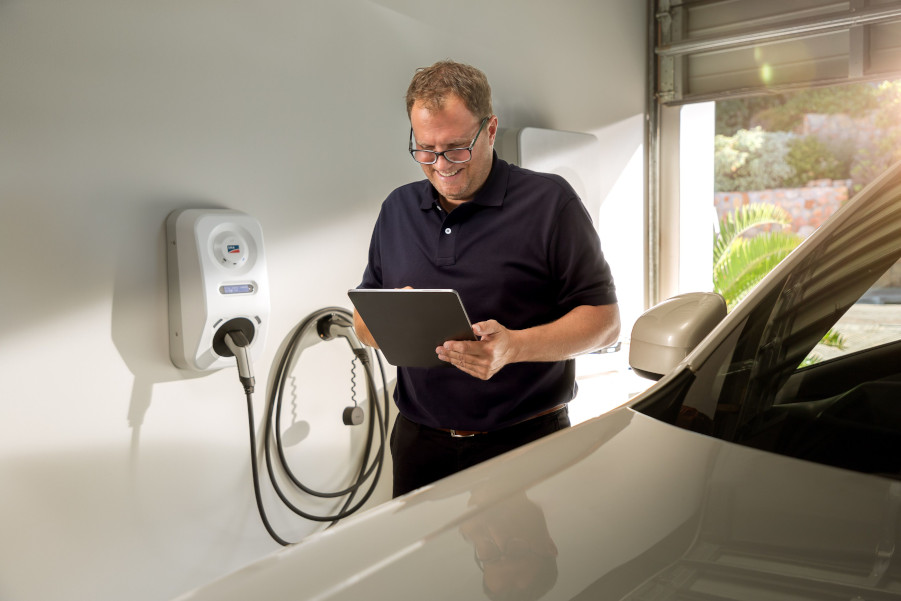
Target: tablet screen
point(409, 324)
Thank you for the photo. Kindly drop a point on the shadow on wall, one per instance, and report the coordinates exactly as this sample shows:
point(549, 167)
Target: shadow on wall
point(140, 318)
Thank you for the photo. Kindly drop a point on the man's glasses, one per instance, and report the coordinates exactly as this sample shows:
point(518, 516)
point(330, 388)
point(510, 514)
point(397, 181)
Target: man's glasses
point(453, 155)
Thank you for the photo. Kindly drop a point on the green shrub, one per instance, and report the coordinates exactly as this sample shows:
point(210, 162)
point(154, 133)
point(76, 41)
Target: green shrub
point(755, 149)
point(811, 159)
point(736, 113)
point(885, 148)
point(853, 99)
point(751, 160)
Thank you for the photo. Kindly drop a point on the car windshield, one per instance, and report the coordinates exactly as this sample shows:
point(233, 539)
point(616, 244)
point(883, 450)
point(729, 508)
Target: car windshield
point(821, 341)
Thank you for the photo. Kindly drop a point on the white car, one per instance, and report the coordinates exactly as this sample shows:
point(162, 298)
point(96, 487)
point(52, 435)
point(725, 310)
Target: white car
point(761, 465)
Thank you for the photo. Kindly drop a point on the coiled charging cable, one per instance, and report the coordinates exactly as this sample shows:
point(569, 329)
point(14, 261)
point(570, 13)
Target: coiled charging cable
point(329, 323)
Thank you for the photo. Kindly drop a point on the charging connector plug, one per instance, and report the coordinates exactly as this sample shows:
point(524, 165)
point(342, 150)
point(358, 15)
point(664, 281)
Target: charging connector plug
point(333, 325)
point(238, 344)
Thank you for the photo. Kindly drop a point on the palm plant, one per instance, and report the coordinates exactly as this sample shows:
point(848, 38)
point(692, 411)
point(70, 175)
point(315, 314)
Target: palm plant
point(740, 260)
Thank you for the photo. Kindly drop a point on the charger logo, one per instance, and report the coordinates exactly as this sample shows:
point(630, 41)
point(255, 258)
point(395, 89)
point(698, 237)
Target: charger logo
point(233, 248)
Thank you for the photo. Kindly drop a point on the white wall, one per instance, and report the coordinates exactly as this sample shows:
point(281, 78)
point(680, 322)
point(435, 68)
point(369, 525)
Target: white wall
point(122, 477)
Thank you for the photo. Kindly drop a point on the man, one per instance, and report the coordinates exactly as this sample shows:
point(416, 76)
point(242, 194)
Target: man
point(522, 252)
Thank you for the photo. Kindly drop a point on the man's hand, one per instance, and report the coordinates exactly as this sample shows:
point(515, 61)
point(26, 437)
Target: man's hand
point(484, 358)
point(362, 331)
point(582, 330)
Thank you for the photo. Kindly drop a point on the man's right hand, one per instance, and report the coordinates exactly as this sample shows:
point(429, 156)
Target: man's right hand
point(363, 332)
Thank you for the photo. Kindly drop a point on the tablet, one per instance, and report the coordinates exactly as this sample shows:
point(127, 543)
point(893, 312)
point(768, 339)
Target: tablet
point(409, 324)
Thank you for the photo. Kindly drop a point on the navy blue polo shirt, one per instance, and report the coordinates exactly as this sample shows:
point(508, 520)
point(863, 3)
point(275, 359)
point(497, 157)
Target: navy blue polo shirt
point(523, 252)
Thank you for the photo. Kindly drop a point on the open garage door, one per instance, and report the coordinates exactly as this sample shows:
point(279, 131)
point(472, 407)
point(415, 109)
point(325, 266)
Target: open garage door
point(711, 49)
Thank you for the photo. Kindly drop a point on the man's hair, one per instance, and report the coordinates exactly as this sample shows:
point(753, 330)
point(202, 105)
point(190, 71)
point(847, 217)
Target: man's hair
point(432, 86)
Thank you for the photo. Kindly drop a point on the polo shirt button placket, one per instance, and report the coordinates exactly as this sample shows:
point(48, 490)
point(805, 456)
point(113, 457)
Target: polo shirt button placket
point(446, 255)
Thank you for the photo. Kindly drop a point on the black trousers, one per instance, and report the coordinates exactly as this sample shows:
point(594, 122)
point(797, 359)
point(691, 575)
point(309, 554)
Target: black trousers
point(422, 455)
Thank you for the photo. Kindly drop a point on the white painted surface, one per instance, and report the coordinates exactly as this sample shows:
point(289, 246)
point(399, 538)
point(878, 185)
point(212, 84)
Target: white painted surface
point(696, 190)
point(124, 478)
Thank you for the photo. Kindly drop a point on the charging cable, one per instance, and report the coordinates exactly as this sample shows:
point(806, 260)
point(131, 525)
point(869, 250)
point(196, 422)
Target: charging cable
point(329, 323)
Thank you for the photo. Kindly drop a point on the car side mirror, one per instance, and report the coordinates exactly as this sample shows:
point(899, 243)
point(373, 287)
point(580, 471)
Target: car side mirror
point(666, 333)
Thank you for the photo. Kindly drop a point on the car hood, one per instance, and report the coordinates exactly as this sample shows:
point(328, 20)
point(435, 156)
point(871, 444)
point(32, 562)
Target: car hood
point(621, 506)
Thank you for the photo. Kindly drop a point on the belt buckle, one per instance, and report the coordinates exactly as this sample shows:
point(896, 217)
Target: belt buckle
point(454, 434)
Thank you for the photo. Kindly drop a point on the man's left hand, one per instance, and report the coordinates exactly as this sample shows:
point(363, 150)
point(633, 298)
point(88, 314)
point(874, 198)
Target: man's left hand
point(582, 330)
point(483, 358)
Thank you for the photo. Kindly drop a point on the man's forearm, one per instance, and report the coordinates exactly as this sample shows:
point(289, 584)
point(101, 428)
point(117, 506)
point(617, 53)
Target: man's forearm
point(584, 329)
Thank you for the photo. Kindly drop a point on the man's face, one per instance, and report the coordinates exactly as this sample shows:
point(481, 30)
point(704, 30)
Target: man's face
point(453, 126)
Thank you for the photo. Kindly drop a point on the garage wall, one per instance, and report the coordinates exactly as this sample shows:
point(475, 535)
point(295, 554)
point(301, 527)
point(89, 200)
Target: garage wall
point(123, 477)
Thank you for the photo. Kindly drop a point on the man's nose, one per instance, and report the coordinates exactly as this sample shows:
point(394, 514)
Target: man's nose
point(442, 163)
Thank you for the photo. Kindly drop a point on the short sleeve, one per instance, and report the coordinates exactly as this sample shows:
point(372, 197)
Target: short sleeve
point(580, 270)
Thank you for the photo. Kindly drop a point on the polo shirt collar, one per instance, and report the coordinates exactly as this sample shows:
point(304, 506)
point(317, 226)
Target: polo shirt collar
point(491, 193)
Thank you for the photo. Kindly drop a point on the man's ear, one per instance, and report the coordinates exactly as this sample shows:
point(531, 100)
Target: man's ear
point(492, 130)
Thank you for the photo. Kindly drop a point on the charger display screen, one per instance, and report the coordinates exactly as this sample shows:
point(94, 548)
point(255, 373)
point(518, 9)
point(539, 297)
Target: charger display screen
point(236, 289)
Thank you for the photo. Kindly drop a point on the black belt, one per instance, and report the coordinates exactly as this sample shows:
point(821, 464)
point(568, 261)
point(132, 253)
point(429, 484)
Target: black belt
point(470, 433)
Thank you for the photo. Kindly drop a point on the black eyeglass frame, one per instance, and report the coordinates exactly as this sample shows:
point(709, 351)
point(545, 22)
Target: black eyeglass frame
point(444, 152)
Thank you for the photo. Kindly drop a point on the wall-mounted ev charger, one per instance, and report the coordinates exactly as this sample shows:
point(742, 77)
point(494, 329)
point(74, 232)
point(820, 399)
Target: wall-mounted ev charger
point(218, 284)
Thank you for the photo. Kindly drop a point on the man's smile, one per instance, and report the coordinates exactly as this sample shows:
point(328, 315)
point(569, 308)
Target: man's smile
point(449, 173)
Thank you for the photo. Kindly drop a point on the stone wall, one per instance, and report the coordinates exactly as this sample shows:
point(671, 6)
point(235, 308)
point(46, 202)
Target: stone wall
point(809, 207)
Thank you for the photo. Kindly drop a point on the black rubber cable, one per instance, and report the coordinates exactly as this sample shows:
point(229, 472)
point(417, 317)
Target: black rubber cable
point(275, 408)
point(273, 418)
point(256, 475)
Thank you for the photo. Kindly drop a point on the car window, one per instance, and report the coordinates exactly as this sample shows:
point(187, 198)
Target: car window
point(874, 320)
point(847, 284)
